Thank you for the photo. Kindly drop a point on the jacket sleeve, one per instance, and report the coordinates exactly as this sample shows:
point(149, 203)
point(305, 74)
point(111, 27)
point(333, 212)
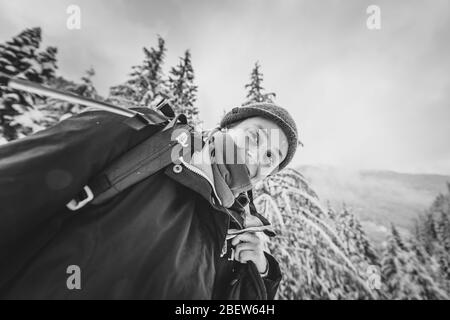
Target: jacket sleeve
point(273, 278)
point(236, 281)
point(40, 173)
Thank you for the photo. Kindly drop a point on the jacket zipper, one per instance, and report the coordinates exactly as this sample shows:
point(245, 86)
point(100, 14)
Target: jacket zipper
point(200, 173)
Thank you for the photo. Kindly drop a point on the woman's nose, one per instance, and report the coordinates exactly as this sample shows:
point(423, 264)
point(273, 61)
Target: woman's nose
point(252, 163)
point(252, 158)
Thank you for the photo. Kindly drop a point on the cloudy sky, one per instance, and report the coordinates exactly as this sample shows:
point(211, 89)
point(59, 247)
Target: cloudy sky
point(363, 99)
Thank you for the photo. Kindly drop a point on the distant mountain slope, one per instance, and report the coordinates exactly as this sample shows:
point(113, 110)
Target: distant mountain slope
point(377, 197)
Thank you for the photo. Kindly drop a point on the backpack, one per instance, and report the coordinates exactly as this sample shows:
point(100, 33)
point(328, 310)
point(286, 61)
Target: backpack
point(175, 139)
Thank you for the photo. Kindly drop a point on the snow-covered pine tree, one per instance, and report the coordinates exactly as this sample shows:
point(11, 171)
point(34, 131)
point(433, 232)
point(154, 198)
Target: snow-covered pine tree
point(312, 256)
point(182, 90)
point(443, 230)
point(60, 110)
point(129, 93)
point(332, 214)
point(423, 271)
point(87, 88)
point(48, 63)
point(408, 272)
point(440, 214)
point(255, 89)
point(442, 251)
point(19, 57)
point(433, 233)
point(146, 83)
point(355, 239)
point(394, 258)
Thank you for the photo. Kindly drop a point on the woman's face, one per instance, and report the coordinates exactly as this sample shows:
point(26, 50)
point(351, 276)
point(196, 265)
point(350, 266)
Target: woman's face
point(265, 143)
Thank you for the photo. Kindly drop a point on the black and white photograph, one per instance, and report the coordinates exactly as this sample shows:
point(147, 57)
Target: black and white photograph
point(224, 150)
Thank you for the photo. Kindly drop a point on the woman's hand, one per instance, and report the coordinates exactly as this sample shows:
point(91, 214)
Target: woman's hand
point(249, 247)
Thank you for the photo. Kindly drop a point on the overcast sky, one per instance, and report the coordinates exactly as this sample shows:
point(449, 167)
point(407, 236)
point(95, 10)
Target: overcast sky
point(362, 99)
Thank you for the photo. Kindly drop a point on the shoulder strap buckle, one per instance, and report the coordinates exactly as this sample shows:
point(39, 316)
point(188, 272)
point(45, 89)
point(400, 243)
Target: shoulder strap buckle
point(75, 204)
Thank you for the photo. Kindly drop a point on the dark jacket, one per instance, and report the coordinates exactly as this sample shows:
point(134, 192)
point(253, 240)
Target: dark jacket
point(159, 239)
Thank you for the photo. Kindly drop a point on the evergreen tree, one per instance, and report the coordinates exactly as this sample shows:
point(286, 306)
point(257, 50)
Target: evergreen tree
point(389, 265)
point(20, 58)
point(60, 110)
point(183, 91)
point(355, 239)
point(19, 55)
point(312, 255)
point(255, 88)
point(87, 88)
point(407, 271)
point(443, 230)
point(332, 214)
point(433, 233)
point(146, 83)
point(48, 64)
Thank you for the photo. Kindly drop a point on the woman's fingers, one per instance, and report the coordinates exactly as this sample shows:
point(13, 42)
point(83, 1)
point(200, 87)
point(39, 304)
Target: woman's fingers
point(248, 255)
point(245, 237)
point(244, 246)
point(249, 247)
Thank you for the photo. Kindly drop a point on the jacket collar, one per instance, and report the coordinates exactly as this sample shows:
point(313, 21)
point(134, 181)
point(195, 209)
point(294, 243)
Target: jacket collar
point(202, 186)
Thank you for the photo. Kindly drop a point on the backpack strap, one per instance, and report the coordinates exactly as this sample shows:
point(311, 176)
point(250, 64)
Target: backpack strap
point(162, 113)
point(135, 165)
point(155, 153)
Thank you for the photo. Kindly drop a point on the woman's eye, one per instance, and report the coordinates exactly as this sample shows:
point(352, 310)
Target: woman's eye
point(271, 156)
